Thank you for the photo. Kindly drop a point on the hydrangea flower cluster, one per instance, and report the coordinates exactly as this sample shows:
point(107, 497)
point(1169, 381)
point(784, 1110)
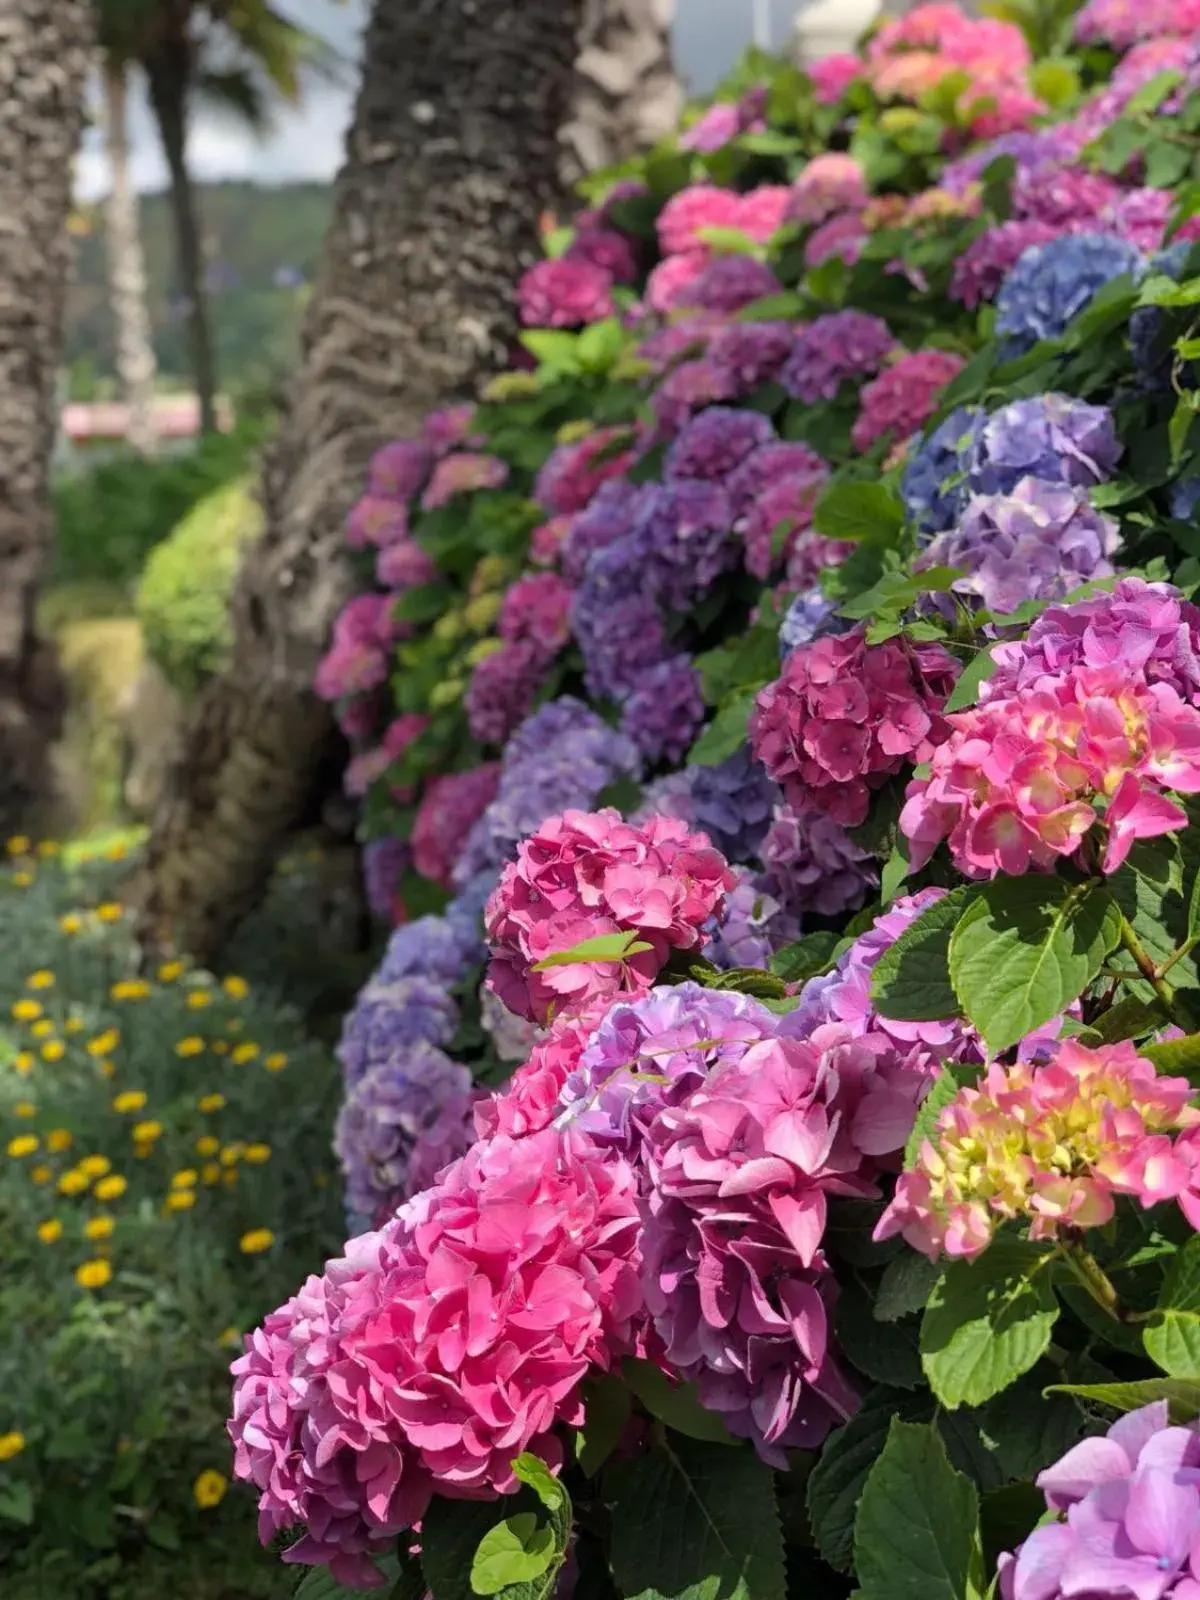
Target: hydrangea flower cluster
point(451, 806)
point(357, 661)
point(844, 716)
point(903, 397)
point(665, 711)
point(1053, 282)
point(565, 293)
point(1050, 1145)
point(811, 864)
point(839, 346)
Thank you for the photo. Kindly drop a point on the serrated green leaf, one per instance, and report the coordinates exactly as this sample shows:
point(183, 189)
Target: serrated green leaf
point(16, 1504)
point(905, 1287)
point(318, 1583)
point(1025, 948)
point(1172, 1336)
point(867, 512)
point(835, 1484)
point(1180, 1057)
point(1183, 1397)
point(886, 1352)
point(971, 679)
point(812, 954)
point(603, 947)
point(534, 1472)
point(515, 1551)
point(916, 1535)
point(676, 1404)
point(1127, 1020)
point(988, 1321)
point(724, 734)
point(911, 980)
point(955, 1075)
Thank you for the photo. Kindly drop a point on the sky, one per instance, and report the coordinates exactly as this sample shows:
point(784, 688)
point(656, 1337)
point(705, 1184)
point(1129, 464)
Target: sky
point(307, 142)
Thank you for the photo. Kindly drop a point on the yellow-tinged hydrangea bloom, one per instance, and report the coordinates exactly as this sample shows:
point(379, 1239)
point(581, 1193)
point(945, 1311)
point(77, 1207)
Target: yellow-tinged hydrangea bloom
point(24, 1108)
point(41, 1173)
point(23, 1062)
point(110, 911)
point(99, 1227)
point(23, 1145)
point(50, 1230)
point(129, 1100)
point(147, 1132)
point(95, 1166)
point(185, 1178)
point(210, 1102)
point(245, 1052)
point(169, 971)
point(210, 1173)
point(193, 1045)
point(41, 979)
point(236, 988)
point(26, 1010)
point(104, 1043)
point(207, 1145)
point(130, 989)
point(11, 1444)
point(53, 1050)
point(111, 1188)
point(93, 1274)
point(209, 1489)
point(58, 1139)
point(71, 923)
point(73, 1182)
point(276, 1061)
point(256, 1241)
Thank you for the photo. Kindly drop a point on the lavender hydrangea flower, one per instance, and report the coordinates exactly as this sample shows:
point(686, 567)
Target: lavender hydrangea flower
point(1037, 543)
point(1185, 497)
point(650, 1052)
point(383, 862)
point(729, 283)
point(811, 864)
point(607, 518)
point(747, 354)
point(668, 796)
point(754, 928)
point(842, 345)
point(431, 947)
point(1032, 150)
point(1053, 282)
point(665, 710)
point(934, 484)
point(681, 541)
point(715, 443)
point(1052, 436)
point(732, 803)
point(621, 638)
point(810, 615)
point(384, 1114)
point(390, 1016)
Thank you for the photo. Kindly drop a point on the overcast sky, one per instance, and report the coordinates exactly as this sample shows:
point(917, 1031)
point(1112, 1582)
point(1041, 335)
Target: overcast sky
point(307, 142)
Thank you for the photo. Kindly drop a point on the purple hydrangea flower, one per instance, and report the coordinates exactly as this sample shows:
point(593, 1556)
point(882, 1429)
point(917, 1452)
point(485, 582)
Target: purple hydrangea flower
point(840, 346)
point(384, 862)
point(431, 947)
point(621, 637)
point(1052, 436)
point(502, 689)
point(384, 1114)
point(682, 540)
point(608, 517)
point(811, 864)
point(987, 261)
point(394, 1015)
point(747, 354)
point(668, 796)
point(1053, 282)
point(754, 928)
point(715, 443)
point(934, 484)
point(809, 616)
point(1141, 216)
point(1037, 543)
point(732, 803)
point(1032, 150)
point(1064, 196)
point(665, 710)
point(729, 283)
point(399, 469)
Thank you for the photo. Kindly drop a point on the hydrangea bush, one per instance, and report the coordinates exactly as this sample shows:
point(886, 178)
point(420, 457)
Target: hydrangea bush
point(772, 1156)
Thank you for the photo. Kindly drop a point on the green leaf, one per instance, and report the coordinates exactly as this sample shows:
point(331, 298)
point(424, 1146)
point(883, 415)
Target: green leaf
point(976, 673)
point(886, 1352)
point(1172, 1336)
point(724, 734)
point(1179, 1056)
point(911, 980)
point(916, 1535)
point(895, 870)
point(955, 1075)
point(814, 953)
point(676, 1404)
point(602, 947)
point(534, 1472)
point(318, 1584)
point(905, 1287)
point(515, 1551)
point(897, 591)
point(695, 1521)
point(1193, 922)
point(835, 1484)
point(731, 239)
point(988, 1321)
point(1126, 1020)
point(1056, 81)
point(1025, 948)
point(608, 1405)
point(16, 1502)
point(870, 512)
point(1152, 94)
point(1182, 1396)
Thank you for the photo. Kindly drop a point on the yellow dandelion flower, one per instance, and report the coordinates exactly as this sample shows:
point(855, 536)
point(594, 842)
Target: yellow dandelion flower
point(110, 911)
point(23, 1062)
point(236, 988)
point(117, 850)
point(276, 1061)
point(185, 1178)
point(230, 1338)
point(50, 1230)
point(73, 1025)
point(53, 1050)
point(71, 923)
point(169, 971)
point(108, 1068)
point(41, 979)
point(193, 1045)
point(18, 845)
point(147, 1132)
point(210, 1173)
point(256, 1154)
point(229, 1177)
point(26, 1010)
point(198, 999)
point(209, 1489)
point(180, 1200)
point(73, 1182)
point(23, 1145)
point(143, 1151)
point(48, 847)
point(129, 1100)
point(93, 1274)
point(42, 1029)
point(256, 1241)
point(207, 1146)
point(111, 1188)
point(130, 989)
point(98, 1228)
point(232, 1154)
point(22, 879)
point(58, 1139)
point(11, 1444)
point(24, 1108)
point(41, 1173)
point(95, 1166)
point(104, 1043)
point(210, 1102)
point(221, 1047)
point(245, 1052)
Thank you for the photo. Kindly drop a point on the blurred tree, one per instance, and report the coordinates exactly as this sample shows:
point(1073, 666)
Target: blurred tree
point(45, 52)
point(627, 96)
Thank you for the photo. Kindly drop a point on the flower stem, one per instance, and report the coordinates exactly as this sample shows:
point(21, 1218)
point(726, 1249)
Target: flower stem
point(1094, 1279)
point(1149, 972)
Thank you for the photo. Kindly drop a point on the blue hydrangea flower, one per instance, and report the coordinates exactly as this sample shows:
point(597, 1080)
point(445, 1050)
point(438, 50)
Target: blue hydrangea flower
point(732, 803)
point(1053, 282)
point(934, 484)
point(1051, 436)
point(810, 615)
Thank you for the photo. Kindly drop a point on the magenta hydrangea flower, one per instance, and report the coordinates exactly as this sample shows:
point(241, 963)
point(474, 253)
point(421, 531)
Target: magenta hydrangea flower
point(828, 184)
point(1122, 23)
point(716, 442)
point(376, 520)
point(844, 716)
point(357, 660)
point(987, 261)
point(583, 874)
point(452, 804)
point(574, 472)
point(450, 426)
point(746, 354)
point(566, 293)
point(404, 565)
point(665, 711)
point(839, 346)
point(531, 1099)
point(607, 249)
point(901, 400)
point(727, 284)
point(842, 236)
point(1020, 781)
point(1141, 216)
point(671, 279)
point(398, 470)
point(502, 689)
point(686, 215)
point(1062, 196)
point(538, 608)
point(463, 472)
point(832, 76)
point(714, 128)
point(811, 864)
point(366, 768)
point(1132, 1524)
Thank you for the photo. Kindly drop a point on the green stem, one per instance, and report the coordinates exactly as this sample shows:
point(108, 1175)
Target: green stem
point(1185, 949)
point(1094, 1279)
point(1149, 972)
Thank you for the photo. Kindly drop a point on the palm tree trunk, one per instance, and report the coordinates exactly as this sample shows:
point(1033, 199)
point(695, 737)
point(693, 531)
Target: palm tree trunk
point(168, 73)
point(451, 158)
point(627, 95)
point(44, 56)
point(126, 268)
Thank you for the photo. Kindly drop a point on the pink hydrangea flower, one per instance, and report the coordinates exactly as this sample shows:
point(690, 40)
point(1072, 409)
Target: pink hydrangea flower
point(399, 469)
point(452, 805)
point(376, 520)
point(531, 1099)
point(1019, 782)
point(566, 293)
point(843, 236)
point(463, 472)
point(357, 660)
point(584, 874)
point(404, 566)
point(833, 75)
point(844, 716)
point(574, 471)
point(607, 249)
point(1049, 1144)
point(829, 183)
point(670, 280)
point(538, 608)
point(444, 430)
point(987, 261)
point(904, 396)
point(364, 769)
point(546, 541)
point(763, 211)
point(686, 214)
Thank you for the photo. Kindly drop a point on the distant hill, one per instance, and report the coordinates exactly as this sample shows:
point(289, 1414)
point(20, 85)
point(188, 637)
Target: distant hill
point(262, 246)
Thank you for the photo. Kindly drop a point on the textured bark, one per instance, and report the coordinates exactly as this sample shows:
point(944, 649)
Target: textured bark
point(627, 95)
point(168, 75)
point(450, 160)
point(44, 57)
point(126, 267)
